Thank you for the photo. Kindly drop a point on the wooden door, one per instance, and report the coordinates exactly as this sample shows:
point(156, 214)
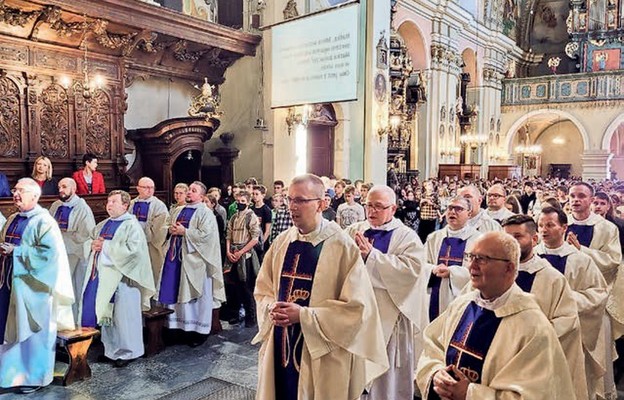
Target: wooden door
point(320, 149)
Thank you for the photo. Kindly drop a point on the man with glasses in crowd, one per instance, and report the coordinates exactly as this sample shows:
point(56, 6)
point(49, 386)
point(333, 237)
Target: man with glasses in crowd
point(392, 254)
point(496, 196)
point(317, 316)
point(553, 295)
point(493, 342)
point(479, 219)
point(444, 273)
point(151, 213)
point(35, 282)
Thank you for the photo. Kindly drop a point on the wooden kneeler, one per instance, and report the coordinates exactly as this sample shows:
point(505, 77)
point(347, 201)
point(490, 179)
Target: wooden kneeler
point(155, 319)
point(76, 343)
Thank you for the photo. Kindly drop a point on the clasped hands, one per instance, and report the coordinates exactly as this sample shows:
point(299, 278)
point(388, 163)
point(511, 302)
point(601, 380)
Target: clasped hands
point(6, 248)
point(363, 244)
point(441, 271)
point(284, 314)
point(573, 240)
point(234, 256)
point(178, 229)
point(450, 387)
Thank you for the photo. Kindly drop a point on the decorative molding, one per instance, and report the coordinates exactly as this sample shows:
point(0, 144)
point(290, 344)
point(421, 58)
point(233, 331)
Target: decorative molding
point(15, 16)
point(98, 124)
point(52, 15)
point(54, 123)
point(107, 39)
point(10, 135)
point(181, 53)
point(290, 11)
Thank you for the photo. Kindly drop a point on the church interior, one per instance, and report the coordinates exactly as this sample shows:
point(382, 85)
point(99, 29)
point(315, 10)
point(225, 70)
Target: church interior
point(219, 91)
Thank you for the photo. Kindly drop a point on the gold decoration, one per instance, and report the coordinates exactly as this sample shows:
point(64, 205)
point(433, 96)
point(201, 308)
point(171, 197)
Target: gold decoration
point(205, 104)
point(15, 16)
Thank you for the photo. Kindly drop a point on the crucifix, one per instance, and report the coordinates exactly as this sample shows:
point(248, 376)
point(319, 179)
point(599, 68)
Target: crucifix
point(462, 349)
point(447, 259)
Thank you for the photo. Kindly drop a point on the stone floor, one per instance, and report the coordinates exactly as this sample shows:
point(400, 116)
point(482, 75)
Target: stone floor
point(224, 368)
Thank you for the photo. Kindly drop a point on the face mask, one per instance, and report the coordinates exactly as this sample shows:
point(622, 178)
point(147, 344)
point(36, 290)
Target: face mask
point(241, 207)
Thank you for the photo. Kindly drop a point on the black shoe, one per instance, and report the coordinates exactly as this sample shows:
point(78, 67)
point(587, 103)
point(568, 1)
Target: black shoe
point(29, 389)
point(103, 359)
point(120, 363)
point(197, 340)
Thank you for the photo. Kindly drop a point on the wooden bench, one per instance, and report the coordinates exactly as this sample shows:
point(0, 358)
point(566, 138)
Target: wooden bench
point(76, 343)
point(155, 319)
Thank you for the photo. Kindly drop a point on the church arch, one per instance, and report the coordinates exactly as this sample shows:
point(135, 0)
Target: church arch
point(470, 66)
point(417, 46)
point(562, 115)
point(610, 131)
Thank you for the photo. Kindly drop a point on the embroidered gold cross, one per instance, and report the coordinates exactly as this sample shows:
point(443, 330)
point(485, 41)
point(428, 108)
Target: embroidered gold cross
point(463, 349)
point(446, 259)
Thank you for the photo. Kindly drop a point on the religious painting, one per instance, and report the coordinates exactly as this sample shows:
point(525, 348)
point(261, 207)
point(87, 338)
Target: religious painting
point(380, 87)
point(382, 52)
point(203, 9)
point(606, 60)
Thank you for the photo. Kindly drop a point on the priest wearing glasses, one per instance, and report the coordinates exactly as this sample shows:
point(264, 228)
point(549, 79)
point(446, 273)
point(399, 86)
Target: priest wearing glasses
point(392, 254)
point(318, 319)
point(493, 342)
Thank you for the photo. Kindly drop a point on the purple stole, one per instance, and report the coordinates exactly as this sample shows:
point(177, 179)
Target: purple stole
point(172, 268)
point(471, 341)
point(451, 253)
point(14, 236)
point(559, 262)
point(89, 318)
point(584, 233)
point(380, 239)
point(62, 217)
point(525, 280)
point(140, 210)
point(295, 286)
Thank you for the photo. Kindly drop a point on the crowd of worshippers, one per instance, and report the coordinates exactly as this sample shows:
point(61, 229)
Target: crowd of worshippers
point(349, 302)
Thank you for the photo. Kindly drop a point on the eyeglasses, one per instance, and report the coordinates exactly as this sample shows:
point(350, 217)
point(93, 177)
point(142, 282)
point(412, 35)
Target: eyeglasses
point(457, 209)
point(20, 190)
point(297, 201)
point(377, 207)
point(481, 260)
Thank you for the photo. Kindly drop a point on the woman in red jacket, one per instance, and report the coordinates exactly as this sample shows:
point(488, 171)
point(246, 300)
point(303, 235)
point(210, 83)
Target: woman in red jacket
point(88, 180)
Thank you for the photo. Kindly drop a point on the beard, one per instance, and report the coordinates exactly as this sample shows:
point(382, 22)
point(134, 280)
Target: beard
point(524, 253)
point(64, 197)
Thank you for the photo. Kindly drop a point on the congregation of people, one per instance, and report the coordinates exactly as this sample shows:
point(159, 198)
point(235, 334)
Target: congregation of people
point(442, 289)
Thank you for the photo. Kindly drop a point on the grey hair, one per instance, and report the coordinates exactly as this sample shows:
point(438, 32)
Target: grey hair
point(201, 185)
point(32, 185)
point(475, 190)
point(507, 243)
point(463, 200)
point(318, 188)
point(387, 190)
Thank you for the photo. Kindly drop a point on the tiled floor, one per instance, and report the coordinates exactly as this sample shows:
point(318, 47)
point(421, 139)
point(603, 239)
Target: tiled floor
point(225, 367)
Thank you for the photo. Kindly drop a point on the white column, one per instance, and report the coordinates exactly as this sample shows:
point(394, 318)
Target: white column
point(596, 164)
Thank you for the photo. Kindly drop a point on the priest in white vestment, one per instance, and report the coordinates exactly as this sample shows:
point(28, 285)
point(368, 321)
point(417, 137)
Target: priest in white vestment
point(479, 218)
point(393, 254)
point(493, 342)
point(599, 239)
point(119, 282)
point(34, 282)
point(191, 280)
point(318, 320)
point(496, 196)
point(152, 215)
point(2, 220)
point(589, 290)
point(76, 220)
point(444, 273)
point(554, 296)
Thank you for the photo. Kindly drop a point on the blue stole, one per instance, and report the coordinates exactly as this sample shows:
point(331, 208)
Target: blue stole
point(559, 262)
point(525, 280)
point(584, 233)
point(380, 239)
point(140, 210)
point(62, 217)
point(14, 236)
point(451, 253)
point(172, 268)
point(89, 319)
point(471, 341)
point(295, 286)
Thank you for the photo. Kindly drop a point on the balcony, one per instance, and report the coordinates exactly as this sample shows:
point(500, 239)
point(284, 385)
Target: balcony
point(568, 88)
